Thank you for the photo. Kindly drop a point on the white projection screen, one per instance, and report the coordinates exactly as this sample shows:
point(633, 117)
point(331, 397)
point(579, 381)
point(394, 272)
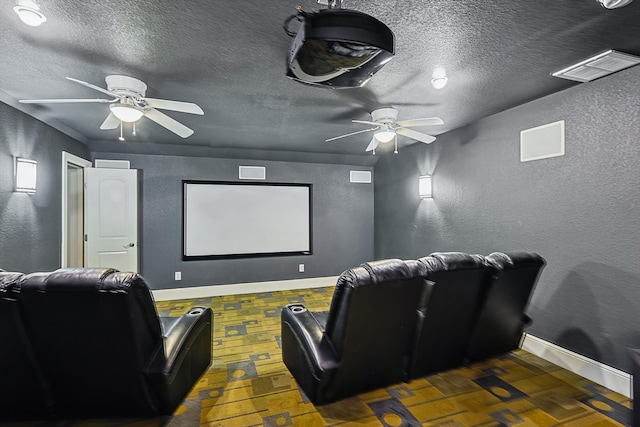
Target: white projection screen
point(237, 219)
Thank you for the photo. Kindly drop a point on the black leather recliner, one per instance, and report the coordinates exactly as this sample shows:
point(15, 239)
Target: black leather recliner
point(101, 347)
point(393, 320)
point(502, 321)
point(22, 389)
point(365, 341)
point(446, 324)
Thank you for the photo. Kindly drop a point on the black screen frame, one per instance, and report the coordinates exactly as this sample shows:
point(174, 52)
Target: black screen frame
point(246, 255)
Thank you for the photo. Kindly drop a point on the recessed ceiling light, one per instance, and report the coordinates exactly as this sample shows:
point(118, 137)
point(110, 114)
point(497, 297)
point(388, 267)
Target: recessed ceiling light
point(613, 4)
point(30, 15)
point(439, 78)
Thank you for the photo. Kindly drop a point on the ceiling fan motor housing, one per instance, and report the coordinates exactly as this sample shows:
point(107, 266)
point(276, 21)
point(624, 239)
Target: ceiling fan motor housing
point(126, 86)
point(384, 115)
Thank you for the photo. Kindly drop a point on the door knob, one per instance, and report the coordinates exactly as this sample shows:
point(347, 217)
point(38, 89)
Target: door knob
point(130, 245)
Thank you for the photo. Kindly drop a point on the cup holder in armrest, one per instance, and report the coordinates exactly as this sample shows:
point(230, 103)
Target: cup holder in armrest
point(298, 309)
point(195, 312)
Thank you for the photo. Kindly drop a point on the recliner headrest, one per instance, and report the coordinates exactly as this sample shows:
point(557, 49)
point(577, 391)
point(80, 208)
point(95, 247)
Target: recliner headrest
point(9, 283)
point(452, 261)
point(72, 279)
point(380, 271)
point(507, 260)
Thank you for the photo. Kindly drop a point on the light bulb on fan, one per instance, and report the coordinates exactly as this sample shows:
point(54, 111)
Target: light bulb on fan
point(385, 135)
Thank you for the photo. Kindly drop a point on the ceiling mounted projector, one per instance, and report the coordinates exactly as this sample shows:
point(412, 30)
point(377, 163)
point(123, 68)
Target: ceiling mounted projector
point(339, 48)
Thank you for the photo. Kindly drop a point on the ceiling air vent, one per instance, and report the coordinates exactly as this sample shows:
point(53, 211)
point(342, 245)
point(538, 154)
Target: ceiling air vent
point(598, 66)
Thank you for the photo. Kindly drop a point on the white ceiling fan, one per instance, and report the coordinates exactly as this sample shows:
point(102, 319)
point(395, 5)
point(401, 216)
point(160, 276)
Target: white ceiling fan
point(387, 128)
point(128, 104)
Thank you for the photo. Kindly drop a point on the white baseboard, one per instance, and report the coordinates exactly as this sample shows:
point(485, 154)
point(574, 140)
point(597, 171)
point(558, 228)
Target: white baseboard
point(602, 374)
point(242, 288)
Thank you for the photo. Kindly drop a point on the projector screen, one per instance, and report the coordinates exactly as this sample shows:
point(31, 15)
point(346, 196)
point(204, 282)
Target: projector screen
point(236, 219)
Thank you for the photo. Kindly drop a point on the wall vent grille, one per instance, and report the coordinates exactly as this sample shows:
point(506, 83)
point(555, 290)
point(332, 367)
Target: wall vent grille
point(252, 172)
point(111, 164)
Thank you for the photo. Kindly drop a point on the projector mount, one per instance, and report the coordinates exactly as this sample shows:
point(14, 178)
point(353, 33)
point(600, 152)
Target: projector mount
point(331, 4)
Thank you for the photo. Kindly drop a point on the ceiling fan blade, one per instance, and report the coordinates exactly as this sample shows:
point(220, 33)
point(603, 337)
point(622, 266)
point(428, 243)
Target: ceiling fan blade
point(373, 144)
point(350, 134)
point(98, 88)
point(65, 101)
point(418, 136)
point(169, 123)
point(165, 104)
point(111, 122)
point(429, 121)
point(366, 122)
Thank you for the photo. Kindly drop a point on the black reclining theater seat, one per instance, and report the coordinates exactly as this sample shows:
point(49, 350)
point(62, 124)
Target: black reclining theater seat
point(446, 323)
point(502, 320)
point(102, 348)
point(365, 340)
point(22, 391)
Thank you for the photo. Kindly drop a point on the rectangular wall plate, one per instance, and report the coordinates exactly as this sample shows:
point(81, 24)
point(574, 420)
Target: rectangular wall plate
point(111, 164)
point(542, 142)
point(252, 172)
point(360, 177)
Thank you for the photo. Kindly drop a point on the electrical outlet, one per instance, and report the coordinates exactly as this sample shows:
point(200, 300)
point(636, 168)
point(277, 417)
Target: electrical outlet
point(177, 275)
point(300, 268)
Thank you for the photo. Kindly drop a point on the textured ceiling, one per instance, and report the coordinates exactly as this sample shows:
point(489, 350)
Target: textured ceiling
point(229, 58)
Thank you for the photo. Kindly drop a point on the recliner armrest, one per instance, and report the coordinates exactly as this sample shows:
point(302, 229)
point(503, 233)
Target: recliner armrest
point(186, 355)
point(311, 339)
point(179, 332)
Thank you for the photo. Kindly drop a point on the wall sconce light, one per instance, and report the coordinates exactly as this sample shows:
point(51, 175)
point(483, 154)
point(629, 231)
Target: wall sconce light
point(26, 175)
point(424, 187)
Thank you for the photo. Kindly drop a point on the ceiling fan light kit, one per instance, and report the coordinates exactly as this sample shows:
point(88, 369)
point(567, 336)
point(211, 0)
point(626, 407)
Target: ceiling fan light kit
point(385, 135)
point(126, 112)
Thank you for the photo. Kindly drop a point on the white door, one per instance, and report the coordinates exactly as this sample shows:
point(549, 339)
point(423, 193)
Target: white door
point(111, 218)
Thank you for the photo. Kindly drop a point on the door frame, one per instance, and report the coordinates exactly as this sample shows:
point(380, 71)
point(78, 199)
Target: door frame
point(69, 159)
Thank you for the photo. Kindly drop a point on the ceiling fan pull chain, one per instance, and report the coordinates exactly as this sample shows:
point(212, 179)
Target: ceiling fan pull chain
point(395, 137)
point(134, 129)
point(121, 138)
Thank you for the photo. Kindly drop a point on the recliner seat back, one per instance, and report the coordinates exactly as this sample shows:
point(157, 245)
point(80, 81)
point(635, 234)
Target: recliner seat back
point(22, 390)
point(93, 326)
point(371, 324)
point(446, 323)
point(502, 320)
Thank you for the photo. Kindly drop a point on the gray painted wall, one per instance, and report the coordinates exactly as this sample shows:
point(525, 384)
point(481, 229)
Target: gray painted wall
point(30, 225)
point(342, 221)
point(579, 211)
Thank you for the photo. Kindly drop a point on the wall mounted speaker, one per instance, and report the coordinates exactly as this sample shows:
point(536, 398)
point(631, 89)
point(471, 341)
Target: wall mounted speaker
point(111, 164)
point(542, 142)
point(360, 177)
point(252, 172)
